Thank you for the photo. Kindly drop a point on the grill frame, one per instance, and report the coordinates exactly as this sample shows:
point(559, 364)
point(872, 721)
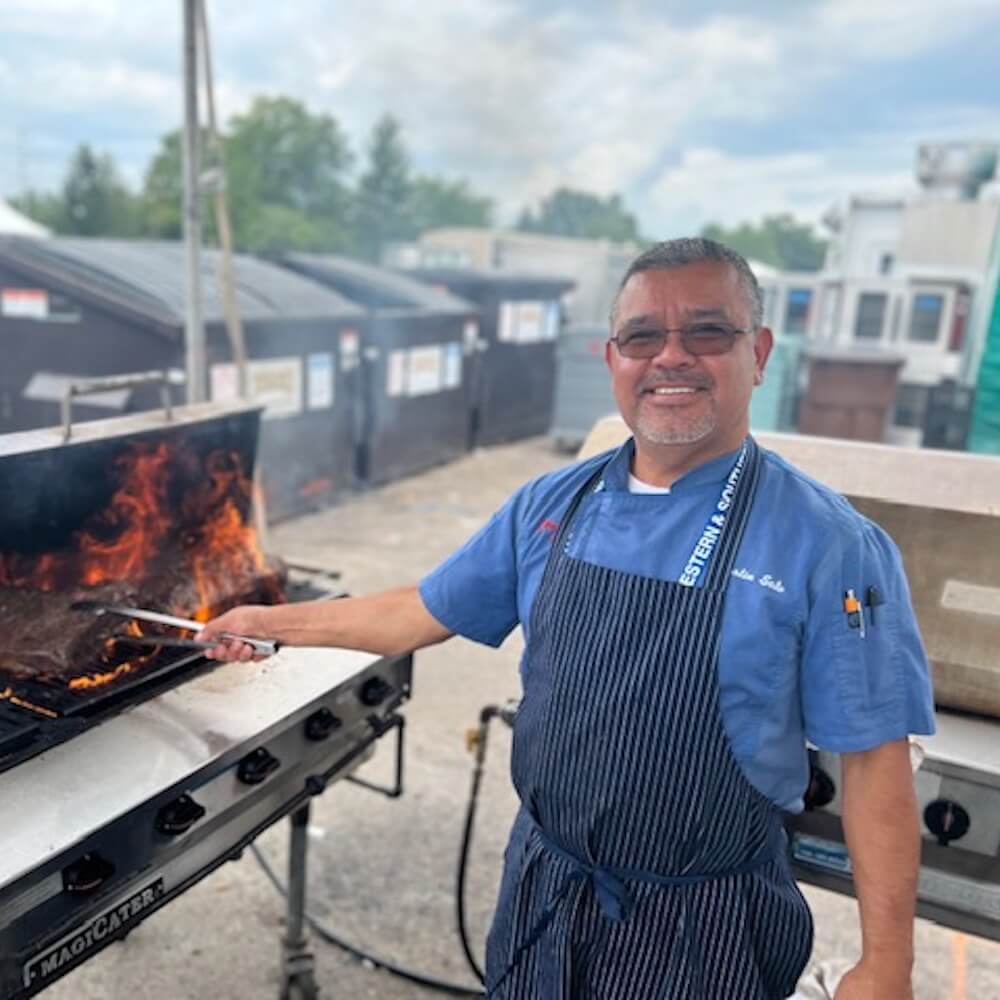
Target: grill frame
point(214, 715)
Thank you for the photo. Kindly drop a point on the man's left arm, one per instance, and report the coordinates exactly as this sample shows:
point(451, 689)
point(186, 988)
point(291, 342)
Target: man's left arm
point(882, 829)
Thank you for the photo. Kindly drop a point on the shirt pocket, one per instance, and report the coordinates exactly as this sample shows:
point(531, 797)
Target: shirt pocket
point(867, 669)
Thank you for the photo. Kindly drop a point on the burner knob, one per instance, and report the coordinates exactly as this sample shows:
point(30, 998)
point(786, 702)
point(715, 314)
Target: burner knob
point(321, 724)
point(374, 691)
point(87, 874)
point(179, 816)
point(256, 766)
point(821, 790)
point(947, 820)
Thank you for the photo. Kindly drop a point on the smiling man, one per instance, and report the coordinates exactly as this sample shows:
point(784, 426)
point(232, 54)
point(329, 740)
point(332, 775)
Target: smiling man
point(682, 602)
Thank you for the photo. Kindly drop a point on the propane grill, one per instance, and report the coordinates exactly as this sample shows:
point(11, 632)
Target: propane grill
point(130, 770)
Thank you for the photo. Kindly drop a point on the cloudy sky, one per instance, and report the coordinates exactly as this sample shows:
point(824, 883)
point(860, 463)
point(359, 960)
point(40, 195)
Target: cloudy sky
point(694, 111)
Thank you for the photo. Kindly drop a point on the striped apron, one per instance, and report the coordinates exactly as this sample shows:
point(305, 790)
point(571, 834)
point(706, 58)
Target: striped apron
point(642, 863)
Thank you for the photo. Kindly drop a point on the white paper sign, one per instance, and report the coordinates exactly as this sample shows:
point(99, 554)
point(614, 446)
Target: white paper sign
point(24, 303)
point(528, 322)
point(395, 382)
point(507, 323)
point(551, 330)
point(426, 370)
point(350, 350)
point(470, 336)
point(223, 383)
point(277, 383)
point(452, 366)
point(319, 382)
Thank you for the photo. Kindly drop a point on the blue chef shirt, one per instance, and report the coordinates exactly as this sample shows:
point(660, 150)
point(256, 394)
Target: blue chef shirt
point(790, 669)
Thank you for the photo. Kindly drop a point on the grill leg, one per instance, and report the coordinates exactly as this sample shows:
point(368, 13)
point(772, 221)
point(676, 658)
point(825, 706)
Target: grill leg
point(299, 982)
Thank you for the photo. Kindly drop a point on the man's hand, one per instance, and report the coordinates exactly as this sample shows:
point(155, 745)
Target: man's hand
point(250, 620)
point(867, 982)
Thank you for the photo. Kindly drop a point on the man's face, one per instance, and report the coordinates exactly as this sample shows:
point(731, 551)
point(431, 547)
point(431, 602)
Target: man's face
point(678, 398)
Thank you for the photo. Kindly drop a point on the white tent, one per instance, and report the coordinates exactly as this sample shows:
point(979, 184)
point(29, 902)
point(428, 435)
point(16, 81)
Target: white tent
point(13, 223)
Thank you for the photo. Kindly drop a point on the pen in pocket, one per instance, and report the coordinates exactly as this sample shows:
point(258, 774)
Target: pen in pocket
point(855, 613)
point(873, 598)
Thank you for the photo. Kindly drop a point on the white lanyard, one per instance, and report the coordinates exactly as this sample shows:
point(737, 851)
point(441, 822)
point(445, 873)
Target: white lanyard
point(701, 556)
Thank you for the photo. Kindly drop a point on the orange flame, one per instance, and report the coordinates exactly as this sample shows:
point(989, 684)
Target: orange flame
point(228, 548)
point(142, 533)
point(137, 509)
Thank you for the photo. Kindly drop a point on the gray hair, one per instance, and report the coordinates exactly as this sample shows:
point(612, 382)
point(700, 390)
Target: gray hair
point(692, 250)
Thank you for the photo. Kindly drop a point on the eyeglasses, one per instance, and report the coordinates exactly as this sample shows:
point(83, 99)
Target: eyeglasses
point(699, 339)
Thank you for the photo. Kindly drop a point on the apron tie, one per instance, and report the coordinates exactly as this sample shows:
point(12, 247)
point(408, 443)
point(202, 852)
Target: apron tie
point(609, 886)
point(612, 893)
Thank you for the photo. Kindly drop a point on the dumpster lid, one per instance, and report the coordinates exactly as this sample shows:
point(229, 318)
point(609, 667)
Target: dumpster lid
point(147, 278)
point(375, 286)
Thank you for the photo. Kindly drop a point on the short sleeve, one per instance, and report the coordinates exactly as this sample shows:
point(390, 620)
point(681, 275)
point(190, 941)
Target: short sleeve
point(473, 593)
point(866, 684)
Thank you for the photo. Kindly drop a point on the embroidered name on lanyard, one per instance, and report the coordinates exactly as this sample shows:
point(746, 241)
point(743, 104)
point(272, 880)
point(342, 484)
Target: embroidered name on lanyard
point(700, 559)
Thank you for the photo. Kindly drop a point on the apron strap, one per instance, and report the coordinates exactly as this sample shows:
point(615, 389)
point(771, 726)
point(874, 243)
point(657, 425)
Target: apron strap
point(736, 522)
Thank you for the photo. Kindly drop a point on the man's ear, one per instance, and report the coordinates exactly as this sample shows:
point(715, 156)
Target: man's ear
point(763, 342)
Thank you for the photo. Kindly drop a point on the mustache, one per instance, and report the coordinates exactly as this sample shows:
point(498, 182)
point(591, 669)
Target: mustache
point(668, 376)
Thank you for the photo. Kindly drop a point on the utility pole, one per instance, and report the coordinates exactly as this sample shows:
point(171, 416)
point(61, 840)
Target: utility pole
point(194, 329)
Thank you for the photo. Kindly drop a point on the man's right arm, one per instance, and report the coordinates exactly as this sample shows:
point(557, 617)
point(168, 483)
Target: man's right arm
point(390, 622)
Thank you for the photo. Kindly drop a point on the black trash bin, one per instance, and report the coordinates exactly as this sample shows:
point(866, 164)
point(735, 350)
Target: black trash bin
point(416, 391)
point(78, 309)
point(513, 371)
point(583, 385)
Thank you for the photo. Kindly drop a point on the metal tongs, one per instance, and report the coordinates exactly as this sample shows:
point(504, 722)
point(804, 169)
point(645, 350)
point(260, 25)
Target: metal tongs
point(263, 647)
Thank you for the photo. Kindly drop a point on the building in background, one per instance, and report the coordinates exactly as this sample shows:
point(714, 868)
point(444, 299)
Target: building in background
point(594, 266)
point(907, 277)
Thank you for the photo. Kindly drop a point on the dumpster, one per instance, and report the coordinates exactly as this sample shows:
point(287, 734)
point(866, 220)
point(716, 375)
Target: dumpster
point(513, 363)
point(76, 309)
point(411, 412)
point(583, 385)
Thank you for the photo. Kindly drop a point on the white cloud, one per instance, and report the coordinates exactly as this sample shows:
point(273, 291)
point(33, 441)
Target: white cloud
point(883, 29)
point(710, 186)
point(514, 97)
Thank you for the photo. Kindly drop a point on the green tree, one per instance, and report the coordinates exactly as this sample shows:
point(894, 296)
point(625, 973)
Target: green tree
point(383, 208)
point(280, 154)
point(42, 206)
point(94, 200)
point(162, 197)
point(97, 203)
point(434, 202)
point(285, 174)
point(566, 212)
point(779, 240)
point(273, 228)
